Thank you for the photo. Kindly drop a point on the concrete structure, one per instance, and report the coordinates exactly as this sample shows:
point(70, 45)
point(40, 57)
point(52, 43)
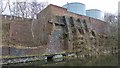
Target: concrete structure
point(95, 13)
point(76, 7)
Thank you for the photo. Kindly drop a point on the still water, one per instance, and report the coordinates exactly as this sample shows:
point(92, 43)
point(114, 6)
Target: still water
point(103, 60)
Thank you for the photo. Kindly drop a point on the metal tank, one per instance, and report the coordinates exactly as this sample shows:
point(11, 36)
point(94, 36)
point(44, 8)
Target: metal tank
point(76, 7)
point(95, 13)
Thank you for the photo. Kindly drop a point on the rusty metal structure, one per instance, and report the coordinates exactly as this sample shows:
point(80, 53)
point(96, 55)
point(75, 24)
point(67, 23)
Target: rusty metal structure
point(55, 30)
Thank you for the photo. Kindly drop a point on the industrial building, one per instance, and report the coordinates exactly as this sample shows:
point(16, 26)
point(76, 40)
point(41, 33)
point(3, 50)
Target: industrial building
point(76, 7)
point(80, 8)
point(55, 30)
point(95, 13)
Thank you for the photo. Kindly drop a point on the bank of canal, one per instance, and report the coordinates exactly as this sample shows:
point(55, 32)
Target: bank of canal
point(101, 60)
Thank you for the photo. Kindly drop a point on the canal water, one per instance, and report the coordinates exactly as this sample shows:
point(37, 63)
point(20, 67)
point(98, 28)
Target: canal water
point(102, 60)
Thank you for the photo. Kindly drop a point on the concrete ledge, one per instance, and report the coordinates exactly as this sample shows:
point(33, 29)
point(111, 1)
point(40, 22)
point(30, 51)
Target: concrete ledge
point(55, 57)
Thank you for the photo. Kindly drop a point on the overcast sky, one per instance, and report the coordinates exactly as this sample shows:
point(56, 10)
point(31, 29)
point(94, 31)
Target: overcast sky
point(104, 5)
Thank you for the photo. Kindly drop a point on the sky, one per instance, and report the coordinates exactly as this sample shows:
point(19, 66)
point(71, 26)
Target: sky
point(110, 6)
point(104, 5)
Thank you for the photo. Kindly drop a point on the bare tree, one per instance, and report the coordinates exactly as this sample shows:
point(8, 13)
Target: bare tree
point(111, 18)
point(112, 21)
point(36, 8)
point(24, 9)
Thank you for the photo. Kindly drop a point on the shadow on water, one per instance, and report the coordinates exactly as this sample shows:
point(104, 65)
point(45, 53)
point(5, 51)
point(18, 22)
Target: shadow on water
point(103, 60)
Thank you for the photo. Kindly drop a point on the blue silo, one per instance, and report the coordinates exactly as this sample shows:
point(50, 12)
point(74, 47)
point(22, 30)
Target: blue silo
point(76, 7)
point(95, 13)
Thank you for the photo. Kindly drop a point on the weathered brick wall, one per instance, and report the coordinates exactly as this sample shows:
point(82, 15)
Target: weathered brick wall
point(13, 51)
point(16, 31)
point(55, 10)
point(5, 50)
point(43, 28)
point(20, 31)
point(52, 11)
point(5, 32)
point(98, 25)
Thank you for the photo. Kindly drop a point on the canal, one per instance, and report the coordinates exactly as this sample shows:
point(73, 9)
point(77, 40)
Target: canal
point(102, 60)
